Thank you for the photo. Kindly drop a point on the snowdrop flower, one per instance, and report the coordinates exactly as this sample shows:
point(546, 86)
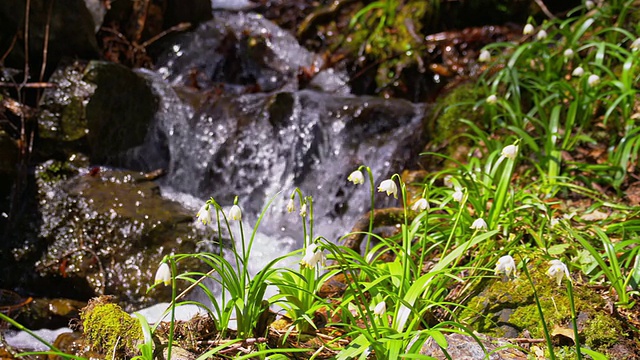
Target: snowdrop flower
point(420, 205)
point(204, 214)
point(510, 151)
point(553, 222)
point(568, 54)
point(485, 56)
point(313, 256)
point(389, 187)
point(541, 35)
point(557, 270)
point(577, 72)
point(589, 4)
point(593, 79)
point(448, 181)
point(457, 195)
point(303, 210)
point(291, 206)
point(163, 275)
point(479, 224)
point(506, 265)
point(235, 213)
point(635, 45)
point(492, 99)
point(356, 177)
point(528, 29)
point(380, 309)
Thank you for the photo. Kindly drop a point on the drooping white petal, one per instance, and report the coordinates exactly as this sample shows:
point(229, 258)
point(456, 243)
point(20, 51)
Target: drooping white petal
point(527, 30)
point(541, 35)
point(510, 151)
point(457, 195)
point(485, 56)
point(380, 308)
point(577, 72)
point(492, 99)
point(356, 177)
point(163, 274)
point(593, 79)
point(235, 213)
point(558, 270)
point(204, 214)
point(313, 256)
point(291, 206)
point(420, 205)
point(303, 210)
point(568, 54)
point(390, 187)
point(479, 224)
point(506, 265)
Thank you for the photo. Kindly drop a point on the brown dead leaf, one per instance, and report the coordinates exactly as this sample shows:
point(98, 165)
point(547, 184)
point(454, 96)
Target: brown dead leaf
point(563, 333)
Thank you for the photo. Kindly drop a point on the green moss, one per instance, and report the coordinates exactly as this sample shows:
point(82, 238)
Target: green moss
point(109, 329)
point(513, 303)
point(602, 331)
point(453, 106)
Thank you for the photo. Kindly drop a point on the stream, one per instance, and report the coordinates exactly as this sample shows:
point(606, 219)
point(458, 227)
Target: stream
point(235, 107)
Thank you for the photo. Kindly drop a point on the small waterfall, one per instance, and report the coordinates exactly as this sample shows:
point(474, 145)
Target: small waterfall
point(253, 145)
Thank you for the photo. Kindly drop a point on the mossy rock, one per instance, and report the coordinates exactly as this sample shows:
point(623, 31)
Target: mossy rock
point(508, 309)
point(109, 329)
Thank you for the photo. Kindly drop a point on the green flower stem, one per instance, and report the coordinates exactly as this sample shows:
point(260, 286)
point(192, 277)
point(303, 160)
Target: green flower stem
point(373, 208)
point(174, 290)
point(547, 335)
point(574, 318)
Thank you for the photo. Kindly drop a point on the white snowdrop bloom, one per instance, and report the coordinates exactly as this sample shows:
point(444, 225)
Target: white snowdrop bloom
point(163, 274)
point(204, 214)
point(593, 79)
point(356, 177)
point(420, 205)
point(527, 30)
point(589, 4)
point(577, 72)
point(291, 206)
point(553, 222)
point(457, 195)
point(448, 181)
point(313, 256)
point(541, 35)
point(479, 224)
point(568, 54)
point(390, 187)
point(635, 45)
point(558, 270)
point(303, 210)
point(506, 265)
point(485, 56)
point(510, 151)
point(492, 99)
point(235, 213)
point(380, 308)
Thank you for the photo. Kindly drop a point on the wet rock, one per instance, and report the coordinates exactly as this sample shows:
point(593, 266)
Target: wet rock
point(49, 313)
point(243, 53)
point(71, 32)
point(62, 122)
point(8, 164)
point(466, 347)
point(118, 113)
point(102, 232)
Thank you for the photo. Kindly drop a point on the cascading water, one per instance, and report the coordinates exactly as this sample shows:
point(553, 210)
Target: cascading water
point(253, 145)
